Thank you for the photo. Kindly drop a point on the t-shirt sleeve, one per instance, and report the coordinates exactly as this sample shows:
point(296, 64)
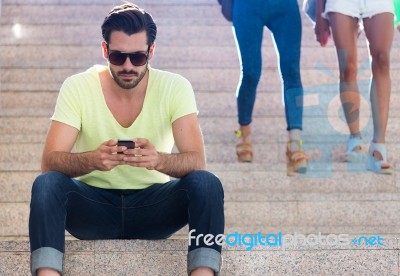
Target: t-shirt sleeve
point(68, 110)
point(183, 100)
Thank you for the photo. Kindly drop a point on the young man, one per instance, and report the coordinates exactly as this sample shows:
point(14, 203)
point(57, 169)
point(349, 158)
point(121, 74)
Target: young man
point(97, 189)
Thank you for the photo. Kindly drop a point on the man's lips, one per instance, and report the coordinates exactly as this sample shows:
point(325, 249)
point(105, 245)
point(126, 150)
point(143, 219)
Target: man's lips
point(127, 74)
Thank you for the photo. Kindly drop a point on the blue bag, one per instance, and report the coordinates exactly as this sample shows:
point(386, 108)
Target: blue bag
point(226, 9)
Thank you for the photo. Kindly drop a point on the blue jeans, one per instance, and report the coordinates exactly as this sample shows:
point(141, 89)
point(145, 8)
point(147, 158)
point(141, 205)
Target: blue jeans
point(60, 203)
point(282, 18)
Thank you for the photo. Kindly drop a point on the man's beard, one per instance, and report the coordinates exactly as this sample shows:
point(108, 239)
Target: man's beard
point(131, 84)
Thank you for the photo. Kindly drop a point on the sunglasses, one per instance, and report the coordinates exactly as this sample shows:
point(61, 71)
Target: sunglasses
point(137, 58)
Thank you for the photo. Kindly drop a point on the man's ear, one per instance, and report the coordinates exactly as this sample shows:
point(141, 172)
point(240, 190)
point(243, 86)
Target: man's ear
point(151, 50)
point(104, 48)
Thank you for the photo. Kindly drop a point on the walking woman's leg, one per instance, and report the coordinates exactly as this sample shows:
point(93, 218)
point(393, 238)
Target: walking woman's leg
point(379, 31)
point(345, 33)
point(286, 28)
point(248, 31)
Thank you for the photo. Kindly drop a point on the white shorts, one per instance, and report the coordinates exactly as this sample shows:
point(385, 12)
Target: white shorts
point(359, 8)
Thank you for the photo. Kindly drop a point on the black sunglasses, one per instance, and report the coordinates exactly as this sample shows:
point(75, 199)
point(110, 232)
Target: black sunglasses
point(137, 58)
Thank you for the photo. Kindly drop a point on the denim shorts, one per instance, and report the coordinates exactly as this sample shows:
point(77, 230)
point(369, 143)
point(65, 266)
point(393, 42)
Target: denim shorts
point(359, 8)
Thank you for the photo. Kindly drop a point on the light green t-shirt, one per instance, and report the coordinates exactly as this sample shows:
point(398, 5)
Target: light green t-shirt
point(81, 104)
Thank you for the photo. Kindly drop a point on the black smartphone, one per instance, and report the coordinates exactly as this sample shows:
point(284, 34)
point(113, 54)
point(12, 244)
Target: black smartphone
point(127, 143)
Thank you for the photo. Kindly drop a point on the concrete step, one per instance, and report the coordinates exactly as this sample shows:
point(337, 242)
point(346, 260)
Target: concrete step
point(183, 57)
point(260, 197)
point(209, 80)
point(73, 14)
point(168, 13)
point(205, 17)
point(259, 185)
point(169, 258)
point(242, 183)
point(264, 211)
point(25, 155)
point(317, 104)
point(320, 134)
point(267, 193)
point(324, 158)
point(196, 58)
point(88, 34)
point(170, 34)
point(368, 230)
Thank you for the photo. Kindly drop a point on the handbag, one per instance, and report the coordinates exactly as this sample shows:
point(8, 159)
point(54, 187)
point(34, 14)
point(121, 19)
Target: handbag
point(396, 4)
point(309, 7)
point(226, 9)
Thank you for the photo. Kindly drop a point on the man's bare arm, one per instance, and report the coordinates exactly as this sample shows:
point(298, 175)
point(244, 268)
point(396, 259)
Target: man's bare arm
point(71, 164)
point(57, 155)
point(190, 144)
point(179, 164)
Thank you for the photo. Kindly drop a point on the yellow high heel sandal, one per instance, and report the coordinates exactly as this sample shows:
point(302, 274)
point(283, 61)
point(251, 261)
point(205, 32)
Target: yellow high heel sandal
point(244, 150)
point(296, 161)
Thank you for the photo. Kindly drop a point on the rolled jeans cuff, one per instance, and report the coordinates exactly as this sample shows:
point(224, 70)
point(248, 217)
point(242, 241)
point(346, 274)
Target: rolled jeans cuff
point(204, 257)
point(46, 257)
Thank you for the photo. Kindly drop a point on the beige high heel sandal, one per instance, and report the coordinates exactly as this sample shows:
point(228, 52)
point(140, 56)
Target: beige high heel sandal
point(244, 150)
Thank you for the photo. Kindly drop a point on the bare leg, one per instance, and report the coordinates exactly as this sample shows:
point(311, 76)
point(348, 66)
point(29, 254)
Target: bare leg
point(47, 272)
point(345, 31)
point(202, 271)
point(246, 133)
point(295, 136)
point(379, 31)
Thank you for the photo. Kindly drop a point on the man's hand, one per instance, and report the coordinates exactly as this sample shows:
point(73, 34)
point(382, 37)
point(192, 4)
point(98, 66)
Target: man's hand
point(105, 157)
point(144, 155)
point(188, 142)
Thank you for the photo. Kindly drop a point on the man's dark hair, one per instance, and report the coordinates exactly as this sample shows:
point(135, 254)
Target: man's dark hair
point(130, 19)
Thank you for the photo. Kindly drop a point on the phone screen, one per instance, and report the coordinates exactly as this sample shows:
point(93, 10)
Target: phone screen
point(127, 143)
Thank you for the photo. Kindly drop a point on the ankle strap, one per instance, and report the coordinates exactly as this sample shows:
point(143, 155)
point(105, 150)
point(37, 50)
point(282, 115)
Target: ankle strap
point(379, 147)
point(298, 142)
point(239, 134)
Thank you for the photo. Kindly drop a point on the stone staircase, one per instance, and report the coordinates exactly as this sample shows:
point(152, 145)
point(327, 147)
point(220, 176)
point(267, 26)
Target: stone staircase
point(44, 41)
